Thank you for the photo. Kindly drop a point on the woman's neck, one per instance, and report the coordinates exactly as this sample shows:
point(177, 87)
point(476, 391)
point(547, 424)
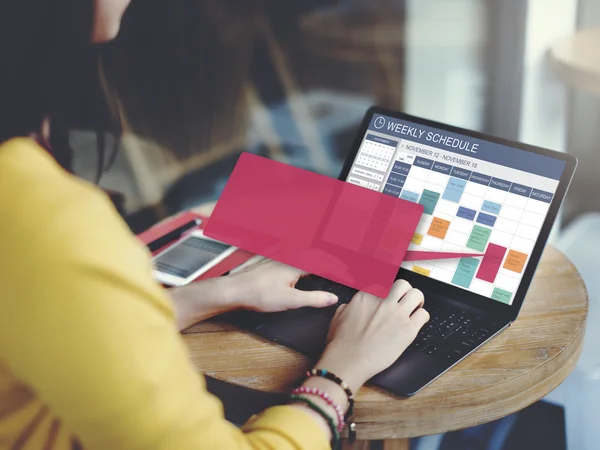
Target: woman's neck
point(42, 136)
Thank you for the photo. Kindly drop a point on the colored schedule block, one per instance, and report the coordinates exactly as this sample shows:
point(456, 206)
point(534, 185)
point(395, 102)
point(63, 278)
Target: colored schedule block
point(486, 219)
point(466, 213)
point(429, 199)
point(442, 168)
point(491, 207)
point(465, 272)
point(396, 180)
point(401, 168)
point(541, 195)
point(391, 190)
point(502, 295)
point(479, 238)
point(491, 262)
point(421, 271)
point(423, 163)
point(461, 173)
point(417, 239)
point(480, 178)
point(438, 228)
point(455, 189)
point(410, 196)
point(515, 261)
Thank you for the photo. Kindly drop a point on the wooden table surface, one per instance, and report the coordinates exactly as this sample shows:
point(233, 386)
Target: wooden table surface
point(519, 367)
point(576, 60)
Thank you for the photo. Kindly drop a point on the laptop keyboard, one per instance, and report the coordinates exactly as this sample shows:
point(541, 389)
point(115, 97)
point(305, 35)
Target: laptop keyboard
point(450, 332)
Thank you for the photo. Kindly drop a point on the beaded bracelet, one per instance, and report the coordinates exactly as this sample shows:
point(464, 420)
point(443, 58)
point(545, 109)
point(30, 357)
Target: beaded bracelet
point(325, 397)
point(335, 435)
point(332, 377)
point(349, 416)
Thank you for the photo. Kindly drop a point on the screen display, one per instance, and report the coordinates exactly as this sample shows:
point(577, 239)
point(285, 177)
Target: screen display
point(185, 258)
point(479, 197)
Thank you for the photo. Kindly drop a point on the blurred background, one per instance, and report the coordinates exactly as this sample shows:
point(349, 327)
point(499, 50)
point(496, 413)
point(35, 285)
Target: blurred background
point(291, 81)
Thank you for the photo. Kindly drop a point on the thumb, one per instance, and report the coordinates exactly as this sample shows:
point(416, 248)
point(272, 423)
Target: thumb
point(334, 321)
point(315, 299)
point(339, 311)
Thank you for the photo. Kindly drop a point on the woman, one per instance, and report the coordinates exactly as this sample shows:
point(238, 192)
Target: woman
point(90, 354)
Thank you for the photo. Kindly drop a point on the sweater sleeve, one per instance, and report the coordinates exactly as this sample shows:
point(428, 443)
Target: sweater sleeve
point(86, 327)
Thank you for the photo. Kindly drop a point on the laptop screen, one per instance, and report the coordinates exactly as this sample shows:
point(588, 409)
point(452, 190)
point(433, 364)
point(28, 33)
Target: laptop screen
point(479, 197)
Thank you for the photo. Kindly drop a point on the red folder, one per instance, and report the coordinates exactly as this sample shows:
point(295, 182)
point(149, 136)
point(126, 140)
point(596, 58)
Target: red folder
point(337, 230)
point(237, 258)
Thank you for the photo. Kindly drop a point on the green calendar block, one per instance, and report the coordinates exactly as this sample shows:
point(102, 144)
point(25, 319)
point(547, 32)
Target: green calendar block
point(479, 238)
point(429, 199)
point(465, 272)
point(502, 295)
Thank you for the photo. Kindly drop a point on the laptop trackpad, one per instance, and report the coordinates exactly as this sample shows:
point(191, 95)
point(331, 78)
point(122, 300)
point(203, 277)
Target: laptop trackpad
point(304, 329)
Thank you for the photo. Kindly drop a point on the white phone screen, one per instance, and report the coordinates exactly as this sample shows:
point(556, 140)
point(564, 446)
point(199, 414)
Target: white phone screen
point(185, 258)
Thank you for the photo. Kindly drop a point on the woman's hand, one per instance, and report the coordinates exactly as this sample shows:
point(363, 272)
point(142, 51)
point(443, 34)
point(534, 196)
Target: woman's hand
point(369, 334)
point(267, 286)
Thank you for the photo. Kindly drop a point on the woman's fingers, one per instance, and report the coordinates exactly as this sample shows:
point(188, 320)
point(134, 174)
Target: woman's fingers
point(315, 299)
point(411, 301)
point(420, 317)
point(399, 289)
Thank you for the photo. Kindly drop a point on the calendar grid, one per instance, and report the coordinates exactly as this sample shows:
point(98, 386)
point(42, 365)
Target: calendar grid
point(465, 211)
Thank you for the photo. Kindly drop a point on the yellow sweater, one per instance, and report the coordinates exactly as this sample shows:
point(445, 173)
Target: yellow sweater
point(89, 350)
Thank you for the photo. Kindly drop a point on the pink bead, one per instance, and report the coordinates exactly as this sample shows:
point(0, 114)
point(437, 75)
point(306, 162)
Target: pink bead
point(327, 399)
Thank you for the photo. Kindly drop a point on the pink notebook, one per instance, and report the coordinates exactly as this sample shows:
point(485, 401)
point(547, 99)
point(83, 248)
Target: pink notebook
point(339, 231)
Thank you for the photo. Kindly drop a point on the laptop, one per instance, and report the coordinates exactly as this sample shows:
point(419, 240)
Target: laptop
point(481, 194)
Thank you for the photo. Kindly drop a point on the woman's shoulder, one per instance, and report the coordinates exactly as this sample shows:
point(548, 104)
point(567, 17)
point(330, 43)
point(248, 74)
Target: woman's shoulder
point(54, 220)
point(23, 154)
point(39, 200)
point(32, 182)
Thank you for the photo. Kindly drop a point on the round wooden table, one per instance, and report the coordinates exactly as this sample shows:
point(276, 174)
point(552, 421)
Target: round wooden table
point(576, 60)
point(519, 367)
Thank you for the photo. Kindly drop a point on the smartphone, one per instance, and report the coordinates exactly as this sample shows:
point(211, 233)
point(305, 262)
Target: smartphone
point(189, 258)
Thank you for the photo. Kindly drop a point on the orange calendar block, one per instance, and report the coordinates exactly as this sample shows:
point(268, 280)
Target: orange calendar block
point(515, 261)
point(438, 228)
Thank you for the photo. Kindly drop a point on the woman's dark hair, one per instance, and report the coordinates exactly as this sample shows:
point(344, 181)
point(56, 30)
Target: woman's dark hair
point(45, 51)
point(177, 73)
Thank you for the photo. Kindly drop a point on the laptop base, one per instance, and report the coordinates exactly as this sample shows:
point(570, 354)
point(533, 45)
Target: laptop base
point(440, 345)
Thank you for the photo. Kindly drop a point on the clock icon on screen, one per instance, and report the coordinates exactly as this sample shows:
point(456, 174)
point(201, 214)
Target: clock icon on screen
point(379, 122)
